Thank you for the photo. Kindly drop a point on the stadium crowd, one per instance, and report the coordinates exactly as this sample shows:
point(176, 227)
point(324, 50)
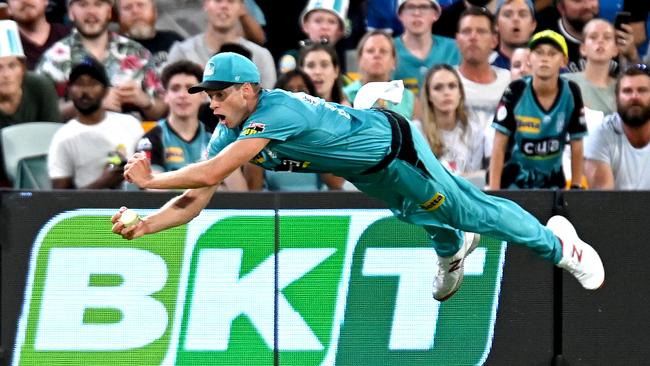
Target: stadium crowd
point(511, 94)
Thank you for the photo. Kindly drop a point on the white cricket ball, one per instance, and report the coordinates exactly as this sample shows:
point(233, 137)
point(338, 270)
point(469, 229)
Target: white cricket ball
point(129, 217)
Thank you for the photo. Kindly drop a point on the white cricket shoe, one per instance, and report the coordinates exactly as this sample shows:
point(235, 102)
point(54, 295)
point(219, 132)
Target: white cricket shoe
point(450, 269)
point(578, 257)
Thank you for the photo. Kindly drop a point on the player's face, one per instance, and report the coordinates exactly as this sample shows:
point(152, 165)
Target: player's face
point(322, 72)
point(515, 23)
point(90, 17)
point(418, 16)
point(475, 39)
point(600, 41)
point(377, 60)
point(633, 100)
point(444, 91)
point(12, 71)
point(546, 61)
point(321, 24)
point(137, 18)
point(181, 103)
point(229, 105)
point(519, 63)
point(27, 11)
point(223, 15)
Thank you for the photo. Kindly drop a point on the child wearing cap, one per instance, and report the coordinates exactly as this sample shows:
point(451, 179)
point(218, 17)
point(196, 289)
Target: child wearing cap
point(323, 21)
point(533, 120)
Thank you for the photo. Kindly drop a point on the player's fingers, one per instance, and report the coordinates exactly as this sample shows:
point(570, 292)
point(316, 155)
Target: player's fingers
point(117, 228)
point(117, 215)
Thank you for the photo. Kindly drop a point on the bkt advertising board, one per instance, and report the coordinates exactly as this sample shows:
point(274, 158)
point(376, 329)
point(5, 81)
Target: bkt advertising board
point(353, 288)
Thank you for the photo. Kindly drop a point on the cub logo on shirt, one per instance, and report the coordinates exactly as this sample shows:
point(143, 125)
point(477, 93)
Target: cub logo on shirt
point(253, 128)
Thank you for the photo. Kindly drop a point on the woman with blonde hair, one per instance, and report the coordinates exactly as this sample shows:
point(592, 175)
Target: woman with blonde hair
point(377, 59)
point(453, 138)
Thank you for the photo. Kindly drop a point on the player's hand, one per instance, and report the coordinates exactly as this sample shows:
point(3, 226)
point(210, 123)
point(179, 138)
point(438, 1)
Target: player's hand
point(138, 170)
point(132, 232)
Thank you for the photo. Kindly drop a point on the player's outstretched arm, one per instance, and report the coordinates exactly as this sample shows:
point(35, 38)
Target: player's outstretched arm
point(179, 210)
point(203, 174)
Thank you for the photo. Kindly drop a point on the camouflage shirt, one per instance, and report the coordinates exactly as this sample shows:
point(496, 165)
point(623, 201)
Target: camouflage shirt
point(126, 60)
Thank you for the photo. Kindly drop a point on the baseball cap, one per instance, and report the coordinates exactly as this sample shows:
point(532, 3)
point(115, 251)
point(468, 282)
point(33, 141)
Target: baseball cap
point(10, 44)
point(528, 3)
point(225, 69)
point(91, 67)
point(433, 2)
point(549, 37)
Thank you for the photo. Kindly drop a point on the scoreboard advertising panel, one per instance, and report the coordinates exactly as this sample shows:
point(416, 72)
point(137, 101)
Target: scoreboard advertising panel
point(252, 287)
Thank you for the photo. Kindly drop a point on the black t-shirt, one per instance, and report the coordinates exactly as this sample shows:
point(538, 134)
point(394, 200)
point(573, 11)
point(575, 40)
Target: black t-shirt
point(159, 46)
point(33, 51)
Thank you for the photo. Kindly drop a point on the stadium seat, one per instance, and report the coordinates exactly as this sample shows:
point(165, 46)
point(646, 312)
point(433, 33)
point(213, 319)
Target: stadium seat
point(32, 173)
point(25, 140)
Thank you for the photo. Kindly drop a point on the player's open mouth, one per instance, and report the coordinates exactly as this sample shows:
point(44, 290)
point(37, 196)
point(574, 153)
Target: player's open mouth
point(221, 117)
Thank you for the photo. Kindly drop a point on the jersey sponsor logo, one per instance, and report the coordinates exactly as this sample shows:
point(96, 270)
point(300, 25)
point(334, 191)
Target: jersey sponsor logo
point(174, 154)
point(434, 203)
point(502, 112)
point(258, 159)
point(528, 124)
point(541, 149)
point(288, 165)
point(253, 128)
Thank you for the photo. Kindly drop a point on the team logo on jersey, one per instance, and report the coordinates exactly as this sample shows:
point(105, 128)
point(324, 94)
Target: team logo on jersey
point(288, 165)
point(527, 124)
point(502, 112)
point(258, 159)
point(174, 154)
point(541, 149)
point(253, 128)
point(434, 203)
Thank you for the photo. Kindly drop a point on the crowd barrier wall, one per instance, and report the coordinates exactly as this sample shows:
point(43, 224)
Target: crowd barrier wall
point(309, 279)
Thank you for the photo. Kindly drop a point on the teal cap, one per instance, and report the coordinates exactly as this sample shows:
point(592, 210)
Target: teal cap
point(226, 69)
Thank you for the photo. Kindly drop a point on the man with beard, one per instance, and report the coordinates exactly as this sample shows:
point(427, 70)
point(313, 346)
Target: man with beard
point(137, 20)
point(618, 151)
point(36, 33)
point(574, 15)
point(136, 84)
point(89, 151)
point(515, 25)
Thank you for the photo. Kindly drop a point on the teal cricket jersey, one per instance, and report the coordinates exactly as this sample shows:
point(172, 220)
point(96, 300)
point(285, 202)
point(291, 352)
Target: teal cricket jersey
point(308, 134)
point(168, 151)
point(413, 70)
point(538, 136)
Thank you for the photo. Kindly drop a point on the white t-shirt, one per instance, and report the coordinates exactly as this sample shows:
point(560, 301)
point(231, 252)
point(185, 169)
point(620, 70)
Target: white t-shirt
point(197, 50)
point(81, 151)
point(608, 143)
point(481, 101)
point(463, 154)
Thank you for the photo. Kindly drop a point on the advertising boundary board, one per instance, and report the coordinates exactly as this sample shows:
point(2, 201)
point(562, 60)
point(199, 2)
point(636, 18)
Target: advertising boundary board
point(525, 331)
